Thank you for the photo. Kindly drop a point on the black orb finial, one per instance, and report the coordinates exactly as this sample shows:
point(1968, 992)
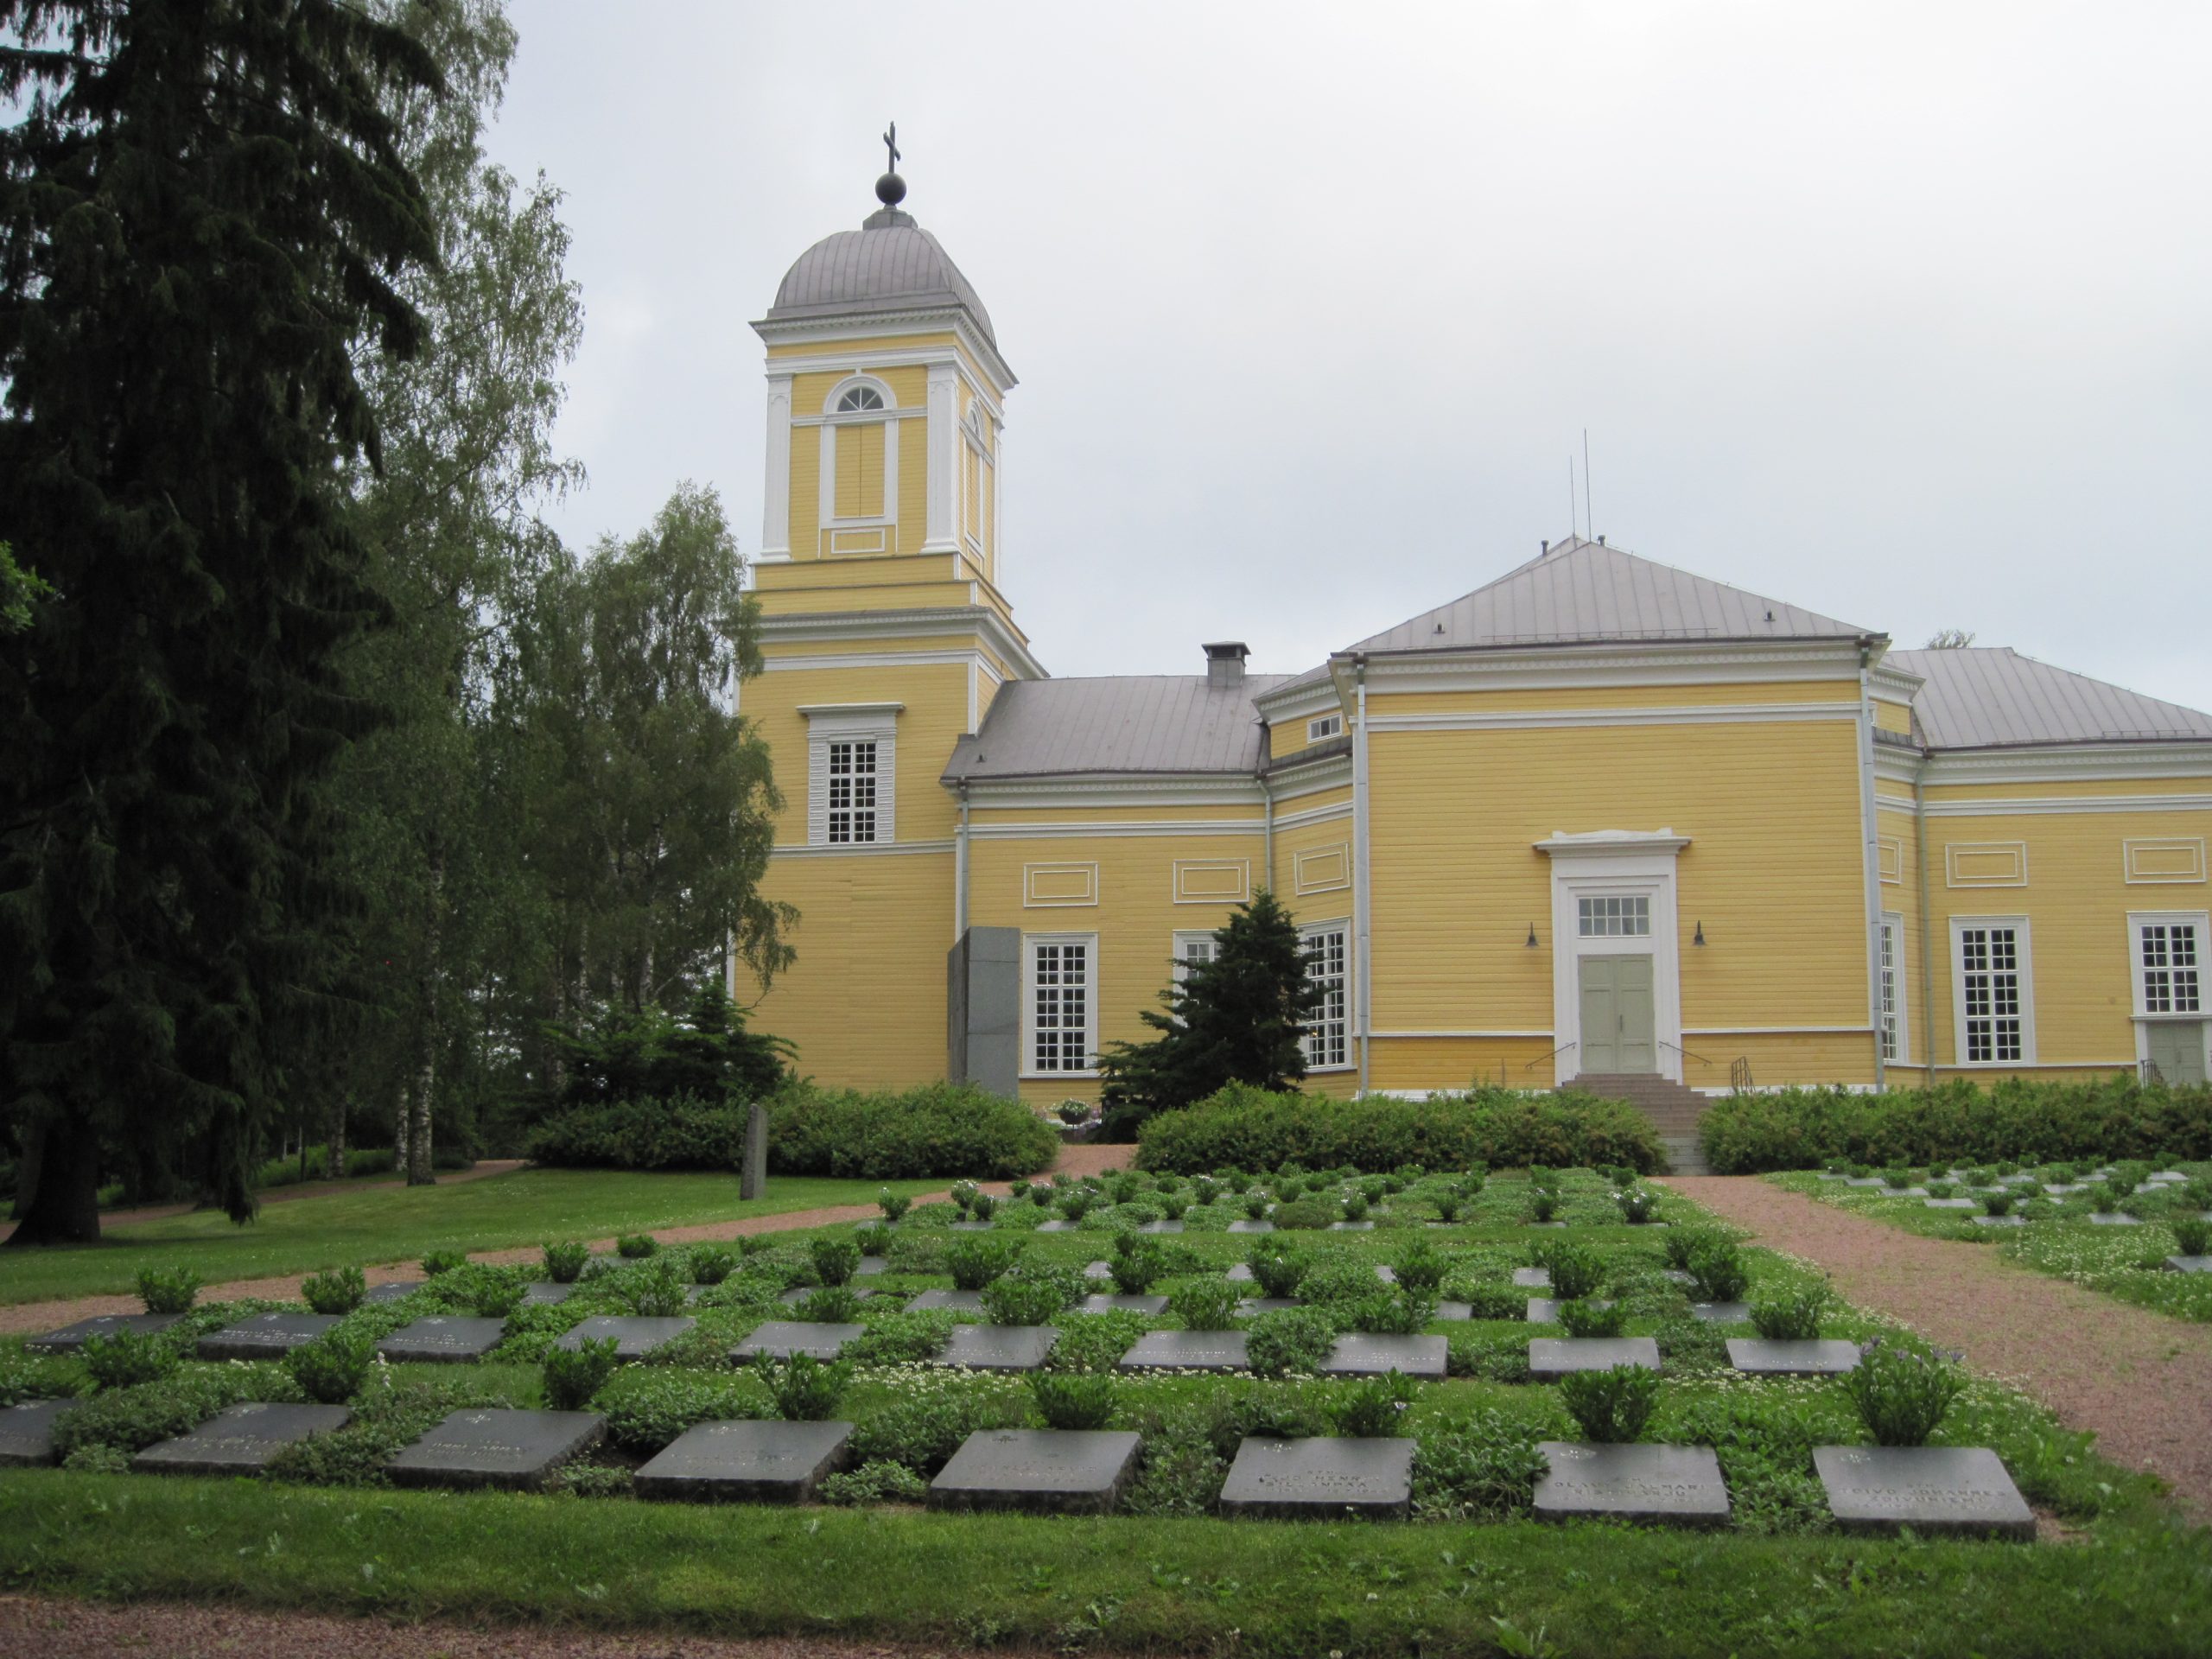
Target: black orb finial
point(891, 189)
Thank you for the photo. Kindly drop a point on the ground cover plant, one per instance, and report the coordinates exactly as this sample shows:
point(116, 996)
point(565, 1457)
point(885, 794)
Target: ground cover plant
point(1166, 1573)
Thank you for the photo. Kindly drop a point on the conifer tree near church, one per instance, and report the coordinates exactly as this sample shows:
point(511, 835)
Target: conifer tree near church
point(1236, 1018)
point(202, 218)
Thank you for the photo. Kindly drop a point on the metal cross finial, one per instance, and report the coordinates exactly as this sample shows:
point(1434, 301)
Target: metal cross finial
point(891, 143)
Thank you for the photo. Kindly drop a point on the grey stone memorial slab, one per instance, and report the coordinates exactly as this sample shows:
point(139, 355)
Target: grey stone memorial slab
point(2103, 1219)
point(1059, 1224)
point(1455, 1310)
point(1186, 1351)
point(444, 1339)
point(634, 1337)
point(1352, 1226)
point(1679, 1485)
point(1553, 1357)
point(1250, 1226)
point(1241, 1273)
point(2168, 1175)
point(745, 1463)
point(799, 1294)
point(998, 1347)
point(483, 1447)
point(1038, 1469)
point(1999, 1221)
point(1386, 1272)
point(264, 1336)
point(954, 1301)
point(1544, 1310)
point(70, 1339)
point(2063, 1189)
point(1931, 1488)
point(1763, 1357)
point(27, 1432)
point(1320, 1479)
point(398, 1291)
point(870, 1266)
point(781, 1338)
point(1721, 1313)
point(970, 1227)
point(1533, 1278)
point(240, 1439)
point(546, 1293)
point(1865, 1181)
point(1904, 1191)
point(2188, 1264)
point(1161, 1227)
point(1098, 1270)
point(1358, 1353)
point(1677, 1276)
point(1951, 1204)
point(1151, 1306)
point(1253, 1306)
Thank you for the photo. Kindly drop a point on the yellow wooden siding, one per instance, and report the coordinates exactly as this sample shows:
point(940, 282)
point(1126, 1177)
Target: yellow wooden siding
point(936, 714)
point(877, 596)
point(1043, 816)
point(1427, 1063)
point(1902, 896)
point(859, 569)
point(1381, 702)
point(2053, 789)
point(1893, 716)
point(859, 491)
point(860, 351)
point(806, 494)
point(1779, 1058)
point(1310, 846)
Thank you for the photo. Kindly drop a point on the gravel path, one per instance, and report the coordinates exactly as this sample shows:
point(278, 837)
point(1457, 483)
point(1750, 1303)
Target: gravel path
point(76, 1630)
point(2141, 1381)
point(49, 1316)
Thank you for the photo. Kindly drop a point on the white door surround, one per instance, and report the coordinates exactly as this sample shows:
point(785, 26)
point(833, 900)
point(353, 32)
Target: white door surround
point(1606, 864)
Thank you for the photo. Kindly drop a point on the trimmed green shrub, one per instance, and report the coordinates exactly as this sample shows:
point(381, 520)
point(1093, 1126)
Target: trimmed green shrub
point(1592, 1318)
point(1073, 1400)
point(1289, 1339)
point(1372, 1410)
point(1996, 1203)
point(1543, 1204)
point(1638, 1205)
point(1421, 1266)
point(167, 1290)
point(438, 1261)
point(134, 1418)
point(1204, 1305)
point(1576, 1272)
point(894, 1205)
point(873, 1238)
point(1792, 1317)
point(1481, 1467)
point(495, 1296)
point(1014, 1300)
point(922, 1431)
point(635, 1247)
point(572, 1376)
point(652, 1292)
point(935, 1129)
point(564, 1263)
point(339, 1291)
point(1489, 1126)
point(331, 1370)
point(903, 1338)
point(1137, 1265)
point(129, 1358)
point(1307, 1215)
point(646, 1407)
point(835, 1260)
point(2191, 1235)
point(879, 1482)
point(1901, 1398)
point(831, 1304)
point(1392, 1312)
point(806, 1389)
point(1680, 1243)
point(1717, 1272)
point(1611, 1407)
point(1958, 1122)
point(1277, 1269)
point(975, 1262)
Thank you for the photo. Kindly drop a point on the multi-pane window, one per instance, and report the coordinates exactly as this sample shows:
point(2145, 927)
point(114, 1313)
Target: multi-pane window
point(852, 791)
point(1323, 1040)
point(858, 400)
point(1893, 1038)
point(1191, 950)
point(1059, 1005)
point(2166, 953)
point(1989, 989)
point(1614, 915)
point(1324, 726)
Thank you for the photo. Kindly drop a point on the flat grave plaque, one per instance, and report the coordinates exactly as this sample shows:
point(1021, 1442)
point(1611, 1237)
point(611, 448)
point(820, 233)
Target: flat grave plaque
point(519, 1450)
point(781, 1338)
point(1533, 1278)
point(971, 1227)
point(27, 1432)
point(1553, 1357)
point(799, 1294)
point(1931, 1489)
point(2103, 1219)
point(1161, 1227)
point(2188, 1264)
point(444, 1339)
point(1039, 1470)
point(265, 1336)
point(399, 1290)
point(2168, 1175)
point(1185, 1351)
point(998, 1347)
point(1951, 1204)
point(1386, 1272)
point(1359, 1354)
point(1680, 1485)
point(2063, 1189)
point(745, 1463)
point(1241, 1273)
point(1722, 1312)
point(634, 1338)
point(1151, 1306)
point(1252, 1306)
point(70, 1339)
point(1455, 1310)
point(1250, 1226)
point(1329, 1479)
point(1059, 1224)
point(1763, 1357)
point(1999, 1221)
point(545, 1293)
point(1865, 1181)
point(240, 1439)
point(1098, 1270)
point(1544, 1310)
point(870, 1266)
point(954, 1301)
point(1352, 1226)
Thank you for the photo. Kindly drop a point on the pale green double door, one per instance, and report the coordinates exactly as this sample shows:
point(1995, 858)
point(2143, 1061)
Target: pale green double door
point(2178, 1049)
point(1619, 1028)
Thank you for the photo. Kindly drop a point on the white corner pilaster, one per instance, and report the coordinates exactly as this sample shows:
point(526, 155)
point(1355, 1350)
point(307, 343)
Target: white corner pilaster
point(776, 525)
point(943, 439)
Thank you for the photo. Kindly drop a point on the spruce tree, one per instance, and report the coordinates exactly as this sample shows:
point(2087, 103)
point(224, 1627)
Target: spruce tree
point(1236, 1019)
point(204, 218)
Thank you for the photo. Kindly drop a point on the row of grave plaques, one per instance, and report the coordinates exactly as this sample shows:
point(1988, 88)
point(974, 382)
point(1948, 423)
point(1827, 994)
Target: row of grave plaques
point(1930, 1489)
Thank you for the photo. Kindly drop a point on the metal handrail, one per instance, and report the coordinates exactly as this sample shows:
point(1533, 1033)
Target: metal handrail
point(1684, 1053)
point(2151, 1077)
point(1546, 1059)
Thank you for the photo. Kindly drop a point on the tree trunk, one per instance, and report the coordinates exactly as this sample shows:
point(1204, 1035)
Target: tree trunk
point(402, 1121)
point(27, 1168)
point(60, 1201)
point(419, 1173)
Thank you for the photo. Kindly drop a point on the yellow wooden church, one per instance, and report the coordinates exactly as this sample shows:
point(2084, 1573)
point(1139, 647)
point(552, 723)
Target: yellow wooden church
point(1600, 818)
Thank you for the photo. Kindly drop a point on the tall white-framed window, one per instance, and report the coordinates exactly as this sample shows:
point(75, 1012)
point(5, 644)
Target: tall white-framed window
point(1321, 728)
point(1325, 1040)
point(1059, 1005)
point(1192, 946)
point(852, 775)
point(1993, 990)
point(1896, 1040)
point(2168, 948)
point(1613, 915)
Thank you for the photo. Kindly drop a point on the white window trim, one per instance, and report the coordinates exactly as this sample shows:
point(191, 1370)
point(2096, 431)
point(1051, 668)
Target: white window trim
point(1339, 924)
point(1899, 985)
point(1178, 963)
point(844, 723)
point(1029, 943)
point(2137, 921)
point(2019, 924)
point(1603, 863)
point(886, 417)
point(1335, 724)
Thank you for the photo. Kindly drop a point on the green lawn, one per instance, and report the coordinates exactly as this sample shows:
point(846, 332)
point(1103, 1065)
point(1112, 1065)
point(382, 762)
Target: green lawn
point(1472, 1573)
point(402, 1223)
point(2128, 1262)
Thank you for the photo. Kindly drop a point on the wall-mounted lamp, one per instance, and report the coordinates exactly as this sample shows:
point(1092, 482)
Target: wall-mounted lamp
point(1532, 936)
point(1698, 939)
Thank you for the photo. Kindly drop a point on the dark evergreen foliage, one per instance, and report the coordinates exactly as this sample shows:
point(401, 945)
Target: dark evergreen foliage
point(204, 218)
point(706, 1056)
point(1236, 1019)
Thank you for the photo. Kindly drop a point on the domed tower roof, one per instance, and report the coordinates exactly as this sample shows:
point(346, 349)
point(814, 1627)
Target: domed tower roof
point(890, 264)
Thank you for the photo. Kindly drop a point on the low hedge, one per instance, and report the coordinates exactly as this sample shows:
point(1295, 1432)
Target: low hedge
point(1243, 1127)
point(938, 1129)
point(1958, 1120)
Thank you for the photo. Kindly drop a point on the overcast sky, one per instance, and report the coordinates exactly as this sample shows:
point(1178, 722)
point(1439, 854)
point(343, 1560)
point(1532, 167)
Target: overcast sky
point(1898, 312)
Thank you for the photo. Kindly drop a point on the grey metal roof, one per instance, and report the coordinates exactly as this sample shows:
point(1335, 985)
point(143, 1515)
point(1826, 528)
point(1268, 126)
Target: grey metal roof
point(1584, 592)
point(1982, 697)
point(891, 263)
point(1124, 724)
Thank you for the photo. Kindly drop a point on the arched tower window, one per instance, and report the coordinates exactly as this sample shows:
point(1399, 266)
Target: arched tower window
point(856, 400)
point(860, 463)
